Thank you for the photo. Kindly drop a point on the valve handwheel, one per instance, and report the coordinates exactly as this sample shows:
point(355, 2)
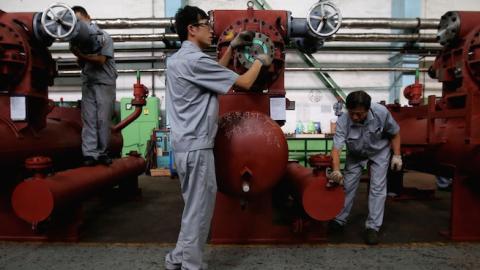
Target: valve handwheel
point(324, 19)
point(59, 21)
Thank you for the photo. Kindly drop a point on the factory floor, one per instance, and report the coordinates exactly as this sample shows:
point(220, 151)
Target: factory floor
point(136, 234)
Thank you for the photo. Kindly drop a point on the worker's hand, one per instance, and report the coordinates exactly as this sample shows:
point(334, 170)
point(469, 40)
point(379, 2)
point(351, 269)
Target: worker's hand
point(245, 38)
point(75, 50)
point(334, 178)
point(396, 163)
point(265, 59)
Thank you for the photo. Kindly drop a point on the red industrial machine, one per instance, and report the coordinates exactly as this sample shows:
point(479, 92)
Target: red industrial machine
point(262, 198)
point(43, 184)
point(443, 136)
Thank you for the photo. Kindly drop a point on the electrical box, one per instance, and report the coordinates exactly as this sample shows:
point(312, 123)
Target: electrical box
point(137, 134)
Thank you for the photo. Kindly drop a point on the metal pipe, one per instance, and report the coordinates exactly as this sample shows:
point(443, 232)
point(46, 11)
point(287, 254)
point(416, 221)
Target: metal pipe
point(119, 23)
point(367, 23)
point(396, 23)
point(320, 203)
point(35, 199)
point(67, 73)
point(380, 37)
point(430, 50)
point(359, 37)
point(145, 37)
point(125, 122)
point(140, 93)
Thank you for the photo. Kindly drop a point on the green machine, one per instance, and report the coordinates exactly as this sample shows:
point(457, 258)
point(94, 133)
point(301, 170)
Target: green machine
point(137, 134)
point(301, 148)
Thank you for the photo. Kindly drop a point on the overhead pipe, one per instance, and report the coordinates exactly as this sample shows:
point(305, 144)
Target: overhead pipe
point(395, 23)
point(422, 50)
point(367, 23)
point(119, 23)
point(70, 73)
point(380, 37)
point(144, 37)
point(354, 37)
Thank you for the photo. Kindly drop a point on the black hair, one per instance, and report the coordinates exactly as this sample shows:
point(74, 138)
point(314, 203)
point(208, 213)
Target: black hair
point(186, 16)
point(81, 10)
point(358, 99)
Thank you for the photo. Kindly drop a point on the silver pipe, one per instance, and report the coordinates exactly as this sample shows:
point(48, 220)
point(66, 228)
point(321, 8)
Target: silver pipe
point(358, 37)
point(378, 37)
point(333, 69)
point(119, 23)
point(144, 37)
point(290, 69)
point(428, 50)
point(397, 23)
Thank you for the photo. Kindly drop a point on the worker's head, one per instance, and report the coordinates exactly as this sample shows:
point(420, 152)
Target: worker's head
point(81, 13)
point(191, 23)
point(358, 104)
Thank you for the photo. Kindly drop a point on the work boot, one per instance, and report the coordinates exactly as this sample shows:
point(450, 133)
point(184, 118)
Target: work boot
point(334, 227)
point(371, 237)
point(89, 161)
point(105, 160)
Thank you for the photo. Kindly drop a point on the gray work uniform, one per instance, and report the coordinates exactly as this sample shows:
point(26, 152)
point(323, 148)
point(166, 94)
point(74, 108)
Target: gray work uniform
point(367, 142)
point(193, 80)
point(98, 96)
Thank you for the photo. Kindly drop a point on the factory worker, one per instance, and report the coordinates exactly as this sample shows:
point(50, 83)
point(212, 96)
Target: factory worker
point(99, 75)
point(193, 81)
point(369, 133)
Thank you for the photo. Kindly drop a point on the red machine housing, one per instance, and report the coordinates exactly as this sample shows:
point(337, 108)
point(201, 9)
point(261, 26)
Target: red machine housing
point(39, 138)
point(443, 136)
point(255, 184)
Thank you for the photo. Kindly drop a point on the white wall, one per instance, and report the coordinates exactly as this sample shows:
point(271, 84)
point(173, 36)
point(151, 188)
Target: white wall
point(313, 101)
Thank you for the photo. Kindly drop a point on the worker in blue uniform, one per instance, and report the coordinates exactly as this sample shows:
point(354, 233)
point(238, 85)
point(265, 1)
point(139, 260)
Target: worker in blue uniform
point(193, 81)
point(369, 133)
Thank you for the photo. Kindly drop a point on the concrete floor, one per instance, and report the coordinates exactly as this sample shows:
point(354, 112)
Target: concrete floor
point(436, 256)
point(137, 234)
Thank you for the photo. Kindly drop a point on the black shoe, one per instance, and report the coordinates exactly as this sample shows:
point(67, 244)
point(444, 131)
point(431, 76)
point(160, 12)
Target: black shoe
point(371, 237)
point(446, 189)
point(89, 161)
point(334, 227)
point(105, 160)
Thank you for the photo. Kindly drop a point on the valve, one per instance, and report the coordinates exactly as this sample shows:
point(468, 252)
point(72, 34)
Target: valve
point(324, 19)
point(59, 21)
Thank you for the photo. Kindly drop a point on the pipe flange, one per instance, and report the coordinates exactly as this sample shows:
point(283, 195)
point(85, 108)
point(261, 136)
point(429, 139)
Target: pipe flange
point(448, 28)
point(324, 19)
point(59, 21)
point(261, 44)
point(473, 54)
point(38, 163)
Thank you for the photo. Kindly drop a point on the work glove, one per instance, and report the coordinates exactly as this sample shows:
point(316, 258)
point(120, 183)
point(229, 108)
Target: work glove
point(334, 178)
point(265, 59)
point(396, 163)
point(245, 38)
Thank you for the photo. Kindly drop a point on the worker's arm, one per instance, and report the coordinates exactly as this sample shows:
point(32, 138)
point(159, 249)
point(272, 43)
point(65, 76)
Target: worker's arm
point(92, 58)
point(396, 144)
point(396, 163)
point(226, 57)
point(335, 159)
point(246, 80)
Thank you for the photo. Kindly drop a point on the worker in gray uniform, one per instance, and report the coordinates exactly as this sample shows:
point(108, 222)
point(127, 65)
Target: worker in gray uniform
point(99, 76)
point(193, 81)
point(369, 133)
